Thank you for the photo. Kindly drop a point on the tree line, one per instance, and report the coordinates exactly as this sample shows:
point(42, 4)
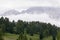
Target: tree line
point(31, 28)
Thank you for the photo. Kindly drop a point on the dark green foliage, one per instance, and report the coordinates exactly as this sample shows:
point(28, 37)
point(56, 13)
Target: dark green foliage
point(11, 27)
point(1, 34)
point(19, 27)
point(54, 32)
point(34, 27)
point(7, 25)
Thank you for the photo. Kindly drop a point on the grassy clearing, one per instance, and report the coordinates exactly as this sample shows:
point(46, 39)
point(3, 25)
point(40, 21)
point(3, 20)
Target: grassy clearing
point(9, 36)
point(48, 38)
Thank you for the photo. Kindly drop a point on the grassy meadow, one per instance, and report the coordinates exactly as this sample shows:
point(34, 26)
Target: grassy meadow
point(9, 36)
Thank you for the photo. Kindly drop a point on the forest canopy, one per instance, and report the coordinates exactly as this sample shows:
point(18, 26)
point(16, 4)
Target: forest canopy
point(31, 28)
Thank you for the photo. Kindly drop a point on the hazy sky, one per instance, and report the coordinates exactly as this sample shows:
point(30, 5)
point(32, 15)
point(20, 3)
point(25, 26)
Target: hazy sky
point(28, 3)
point(24, 4)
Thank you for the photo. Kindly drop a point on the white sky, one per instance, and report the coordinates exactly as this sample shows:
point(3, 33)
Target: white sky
point(28, 3)
point(23, 4)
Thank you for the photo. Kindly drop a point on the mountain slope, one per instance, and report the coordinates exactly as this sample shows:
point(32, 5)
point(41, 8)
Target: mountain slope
point(53, 12)
point(10, 12)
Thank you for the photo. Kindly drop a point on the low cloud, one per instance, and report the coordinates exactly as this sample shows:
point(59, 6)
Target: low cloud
point(34, 17)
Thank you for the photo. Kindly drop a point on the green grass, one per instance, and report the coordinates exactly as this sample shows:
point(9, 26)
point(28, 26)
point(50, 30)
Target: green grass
point(35, 37)
point(9, 36)
point(58, 36)
point(48, 38)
